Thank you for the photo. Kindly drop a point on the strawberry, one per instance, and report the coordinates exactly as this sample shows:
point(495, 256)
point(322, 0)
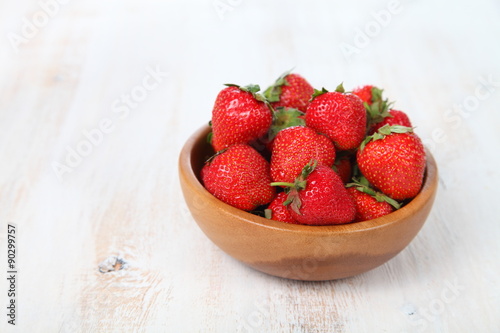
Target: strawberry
point(278, 211)
point(376, 107)
point(239, 115)
point(367, 207)
point(239, 176)
point(290, 90)
point(294, 147)
point(369, 203)
point(283, 118)
point(340, 116)
point(318, 197)
point(365, 93)
point(393, 160)
point(343, 167)
point(394, 117)
point(370, 95)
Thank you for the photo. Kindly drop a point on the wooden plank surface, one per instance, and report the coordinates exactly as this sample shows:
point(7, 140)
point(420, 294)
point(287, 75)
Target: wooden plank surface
point(98, 97)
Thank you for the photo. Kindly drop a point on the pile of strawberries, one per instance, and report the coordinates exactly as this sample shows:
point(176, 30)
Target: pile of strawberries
point(316, 157)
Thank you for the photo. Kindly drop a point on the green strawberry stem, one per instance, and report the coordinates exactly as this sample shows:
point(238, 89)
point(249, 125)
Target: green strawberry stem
point(293, 188)
point(376, 94)
point(273, 93)
point(383, 132)
point(379, 108)
point(340, 88)
point(210, 134)
point(209, 160)
point(318, 93)
point(308, 168)
point(388, 129)
point(363, 185)
point(389, 200)
point(284, 118)
point(251, 88)
point(294, 201)
point(283, 184)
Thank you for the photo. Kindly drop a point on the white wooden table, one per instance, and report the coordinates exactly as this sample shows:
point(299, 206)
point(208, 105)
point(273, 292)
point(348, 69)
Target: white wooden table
point(98, 97)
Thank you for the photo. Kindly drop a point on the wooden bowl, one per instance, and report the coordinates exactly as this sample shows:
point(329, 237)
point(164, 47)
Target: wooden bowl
point(301, 252)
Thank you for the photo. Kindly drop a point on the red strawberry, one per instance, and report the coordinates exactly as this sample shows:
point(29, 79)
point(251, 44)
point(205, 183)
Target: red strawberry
point(278, 211)
point(343, 167)
point(239, 176)
point(290, 90)
point(376, 107)
point(393, 160)
point(240, 115)
point(338, 115)
point(318, 197)
point(294, 147)
point(370, 95)
point(283, 118)
point(369, 203)
point(367, 207)
point(394, 117)
point(365, 93)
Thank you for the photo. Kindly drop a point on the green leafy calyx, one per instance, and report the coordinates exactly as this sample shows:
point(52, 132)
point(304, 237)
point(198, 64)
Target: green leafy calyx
point(284, 118)
point(251, 88)
point(378, 109)
point(273, 93)
point(361, 184)
point(340, 88)
point(318, 93)
point(383, 132)
point(293, 188)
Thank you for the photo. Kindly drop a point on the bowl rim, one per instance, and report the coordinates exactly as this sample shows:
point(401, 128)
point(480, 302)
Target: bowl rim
point(426, 193)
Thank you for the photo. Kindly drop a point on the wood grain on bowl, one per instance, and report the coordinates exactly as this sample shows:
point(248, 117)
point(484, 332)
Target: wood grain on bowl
point(299, 251)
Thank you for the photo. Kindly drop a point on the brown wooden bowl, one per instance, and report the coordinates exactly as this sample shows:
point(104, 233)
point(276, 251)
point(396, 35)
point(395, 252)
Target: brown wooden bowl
point(301, 252)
